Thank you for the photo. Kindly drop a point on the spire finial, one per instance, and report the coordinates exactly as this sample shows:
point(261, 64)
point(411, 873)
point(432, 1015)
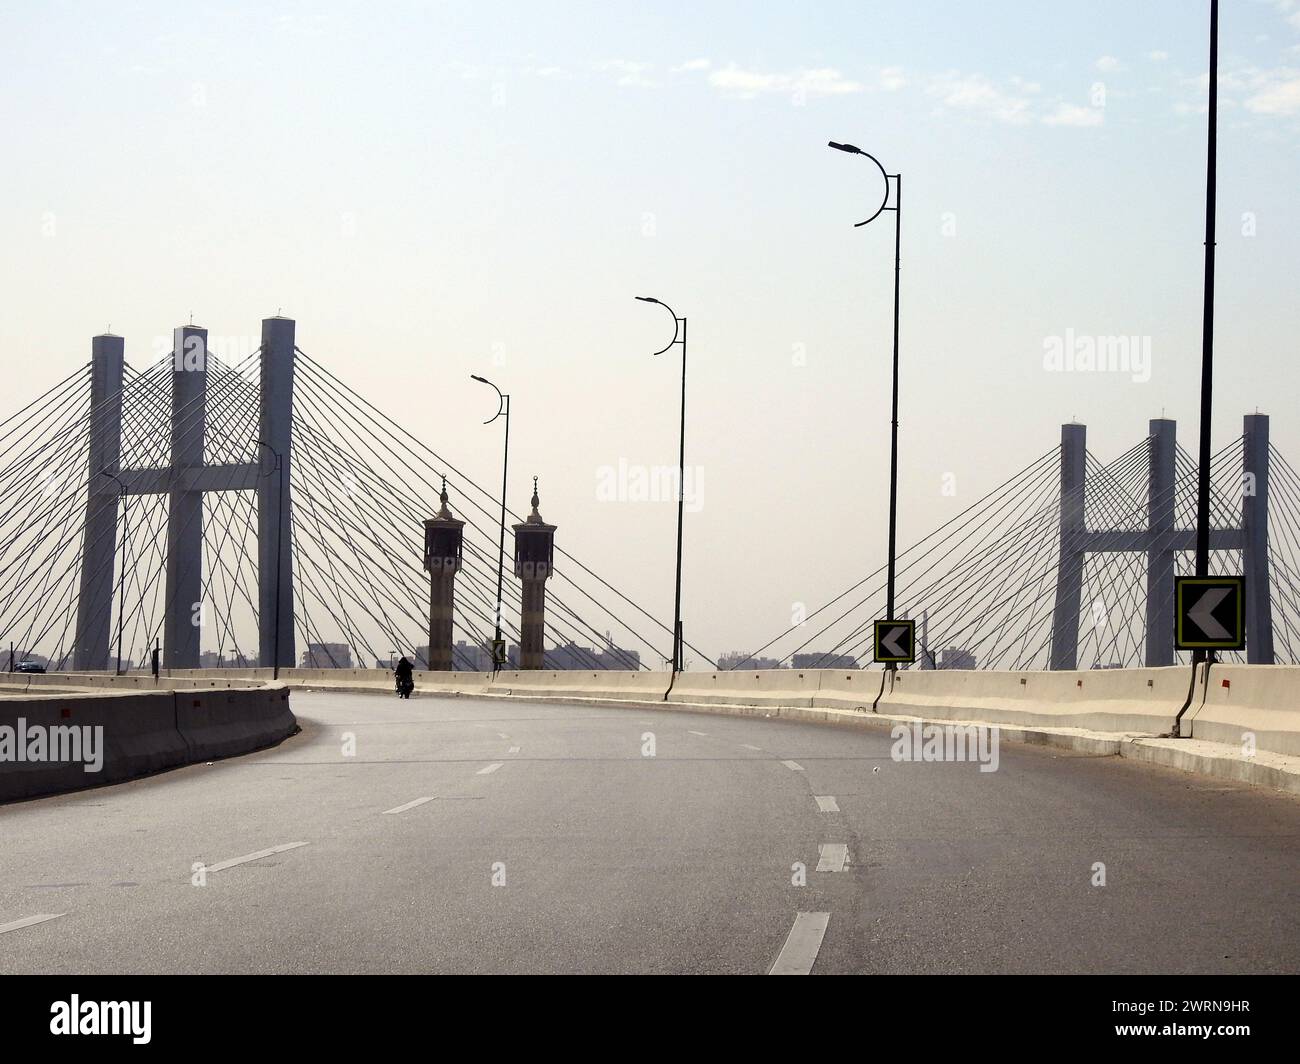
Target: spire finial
point(535, 517)
point(444, 512)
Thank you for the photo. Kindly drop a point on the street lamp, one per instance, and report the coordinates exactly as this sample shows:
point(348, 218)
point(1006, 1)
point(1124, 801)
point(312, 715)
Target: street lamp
point(679, 337)
point(279, 548)
point(503, 410)
point(121, 587)
point(897, 208)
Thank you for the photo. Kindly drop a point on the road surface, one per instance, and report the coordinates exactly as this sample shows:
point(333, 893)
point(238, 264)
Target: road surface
point(463, 835)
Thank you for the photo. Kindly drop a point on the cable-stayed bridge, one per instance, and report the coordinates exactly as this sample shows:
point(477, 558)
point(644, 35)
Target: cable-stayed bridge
point(195, 500)
point(256, 506)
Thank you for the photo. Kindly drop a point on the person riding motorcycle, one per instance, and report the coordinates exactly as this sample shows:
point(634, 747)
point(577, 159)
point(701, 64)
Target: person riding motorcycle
point(405, 679)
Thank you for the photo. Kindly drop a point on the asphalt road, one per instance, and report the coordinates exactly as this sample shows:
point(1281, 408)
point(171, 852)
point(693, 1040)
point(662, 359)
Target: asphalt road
point(545, 840)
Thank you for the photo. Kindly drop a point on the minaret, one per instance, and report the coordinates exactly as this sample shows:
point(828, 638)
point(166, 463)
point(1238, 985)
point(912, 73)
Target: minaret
point(443, 536)
point(534, 559)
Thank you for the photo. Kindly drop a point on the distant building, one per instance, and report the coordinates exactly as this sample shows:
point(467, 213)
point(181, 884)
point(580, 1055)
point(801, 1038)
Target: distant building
point(211, 660)
point(739, 659)
point(572, 656)
point(327, 656)
point(825, 661)
point(956, 658)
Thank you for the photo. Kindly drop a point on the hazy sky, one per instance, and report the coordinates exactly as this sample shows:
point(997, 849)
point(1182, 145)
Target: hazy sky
point(439, 189)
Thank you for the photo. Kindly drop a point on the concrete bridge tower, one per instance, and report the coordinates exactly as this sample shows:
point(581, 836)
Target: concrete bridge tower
point(443, 539)
point(534, 560)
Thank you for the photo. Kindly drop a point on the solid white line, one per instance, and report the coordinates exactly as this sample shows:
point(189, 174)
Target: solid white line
point(802, 944)
point(826, 803)
point(220, 865)
point(833, 857)
point(793, 766)
point(489, 768)
point(409, 805)
point(29, 921)
point(749, 746)
point(703, 733)
point(513, 750)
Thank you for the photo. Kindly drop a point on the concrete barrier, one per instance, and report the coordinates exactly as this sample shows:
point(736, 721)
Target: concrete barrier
point(763, 687)
point(139, 737)
point(219, 724)
point(1123, 701)
point(596, 684)
point(132, 733)
point(1244, 705)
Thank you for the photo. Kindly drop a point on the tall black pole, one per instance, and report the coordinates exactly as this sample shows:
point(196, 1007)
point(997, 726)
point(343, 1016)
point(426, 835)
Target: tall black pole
point(679, 337)
point(893, 443)
point(501, 540)
point(121, 591)
point(503, 409)
point(1207, 333)
point(681, 502)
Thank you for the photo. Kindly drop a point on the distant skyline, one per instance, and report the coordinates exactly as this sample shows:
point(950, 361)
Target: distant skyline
point(435, 190)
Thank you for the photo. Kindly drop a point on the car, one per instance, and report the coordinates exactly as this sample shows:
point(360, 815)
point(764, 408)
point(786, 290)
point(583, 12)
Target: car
point(29, 666)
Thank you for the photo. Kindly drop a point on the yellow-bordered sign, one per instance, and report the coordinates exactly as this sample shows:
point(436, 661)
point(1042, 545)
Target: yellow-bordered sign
point(895, 642)
point(1210, 612)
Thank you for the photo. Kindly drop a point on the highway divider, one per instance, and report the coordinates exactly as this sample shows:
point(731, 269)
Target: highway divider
point(57, 741)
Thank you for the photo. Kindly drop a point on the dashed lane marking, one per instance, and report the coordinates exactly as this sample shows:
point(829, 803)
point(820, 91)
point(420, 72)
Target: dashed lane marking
point(29, 921)
point(793, 766)
point(489, 768)
point(409, 805)
point(826, 803)
point(833, 857)
point(802, 944)
point(221, 865)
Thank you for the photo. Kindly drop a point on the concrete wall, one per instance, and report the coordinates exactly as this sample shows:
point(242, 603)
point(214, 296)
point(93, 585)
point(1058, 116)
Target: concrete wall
point(1263, 700)
point(143, 731)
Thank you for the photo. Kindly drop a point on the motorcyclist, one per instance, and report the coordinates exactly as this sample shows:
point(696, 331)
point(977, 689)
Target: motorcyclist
point(404, 673)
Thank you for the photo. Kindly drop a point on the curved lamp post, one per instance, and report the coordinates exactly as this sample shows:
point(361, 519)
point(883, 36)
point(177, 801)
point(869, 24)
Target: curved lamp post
point(679, 337)
point(897, 208)
point(503, 410)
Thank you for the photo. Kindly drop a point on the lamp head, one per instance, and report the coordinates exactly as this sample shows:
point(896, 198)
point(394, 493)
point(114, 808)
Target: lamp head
point(647, 299)
point(852, 149)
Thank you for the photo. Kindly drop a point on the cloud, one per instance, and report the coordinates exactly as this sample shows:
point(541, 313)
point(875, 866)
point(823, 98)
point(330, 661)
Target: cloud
point(1108, 64)
point(690, 65)
point(1157, 56)
point(743, 84)
point(891, 79)
point(1068, 114)
point(975, 93)
point(1281, 97)
point(630, 73)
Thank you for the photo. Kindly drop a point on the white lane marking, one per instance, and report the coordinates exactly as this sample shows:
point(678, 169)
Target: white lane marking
point(793, 766)
point(833, 857)
point(826, 803)
point(750, 746)
point(409, 805)
point(489, 768)
point(802, 944)
point(502, 735)
point(29, 921)
point(703, 733)
point(220, 865)
point(513, 750)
